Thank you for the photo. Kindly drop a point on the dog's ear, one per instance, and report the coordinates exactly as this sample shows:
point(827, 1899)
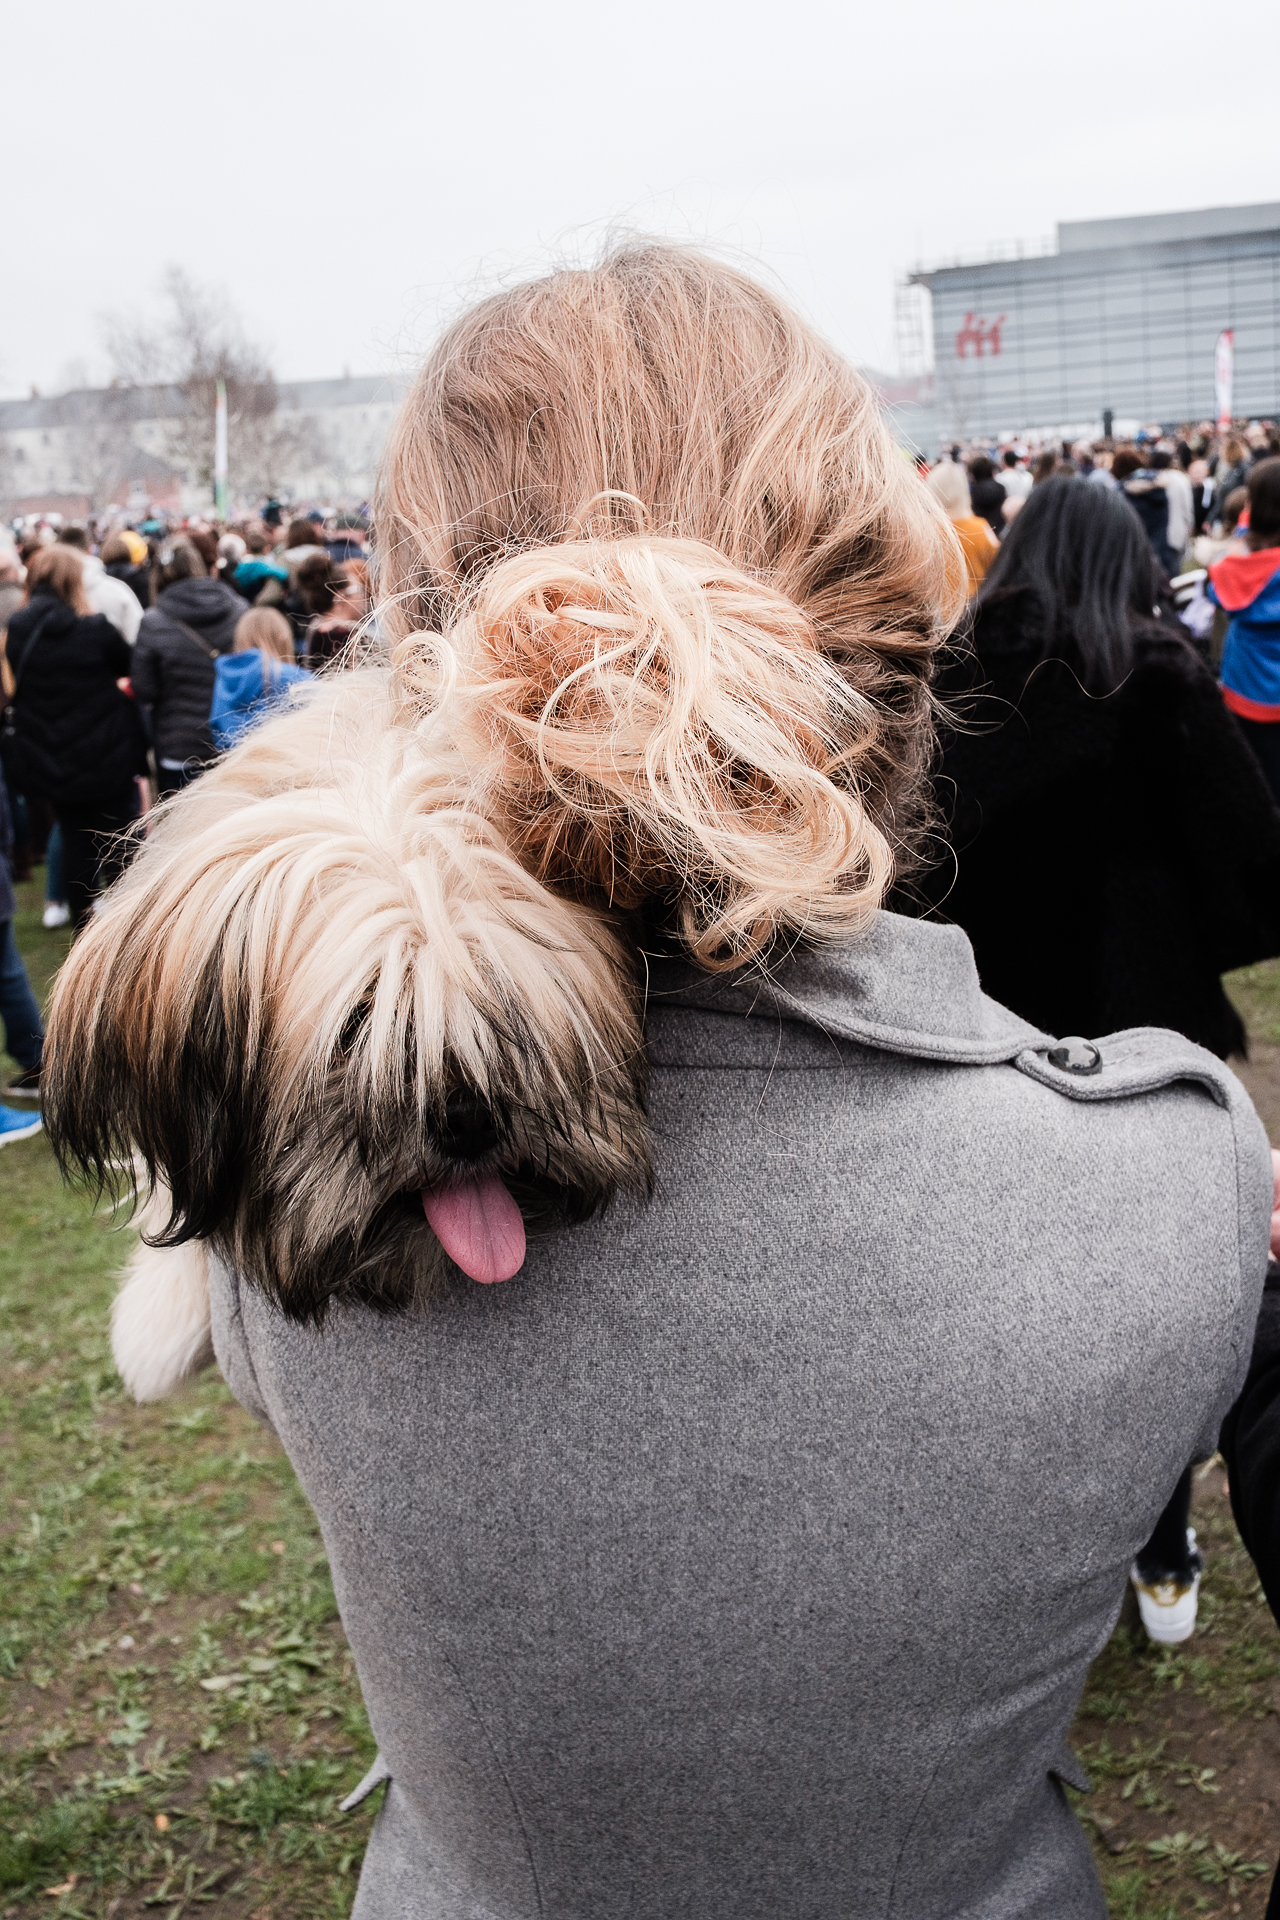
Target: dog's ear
point(172, 1042)
point(145, 1061)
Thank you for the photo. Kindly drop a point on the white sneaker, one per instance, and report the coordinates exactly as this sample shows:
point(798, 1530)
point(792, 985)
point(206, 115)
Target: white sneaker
point(1168, 1607)
point(57, 914)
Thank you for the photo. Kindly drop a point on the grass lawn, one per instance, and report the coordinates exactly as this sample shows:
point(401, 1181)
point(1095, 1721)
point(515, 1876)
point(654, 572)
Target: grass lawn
point(179, 1715)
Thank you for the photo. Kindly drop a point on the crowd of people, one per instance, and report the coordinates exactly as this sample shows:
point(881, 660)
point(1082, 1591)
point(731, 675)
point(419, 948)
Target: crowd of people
point(1209, 507)
point(134, 654)
point(1207, 504)
point(178, 599)
point(1102, 822)
point(131, 656)
point(1188, 486)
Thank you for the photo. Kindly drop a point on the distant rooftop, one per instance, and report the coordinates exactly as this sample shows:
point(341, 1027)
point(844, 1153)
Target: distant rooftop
point(81, 405)
point(1148, 229)
point(1096, 236)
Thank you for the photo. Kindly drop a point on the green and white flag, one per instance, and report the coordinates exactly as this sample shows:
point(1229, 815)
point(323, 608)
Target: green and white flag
point(220, 452)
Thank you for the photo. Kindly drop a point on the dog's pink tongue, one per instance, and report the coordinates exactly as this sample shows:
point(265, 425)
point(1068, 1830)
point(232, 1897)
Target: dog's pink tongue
point(479, 1226)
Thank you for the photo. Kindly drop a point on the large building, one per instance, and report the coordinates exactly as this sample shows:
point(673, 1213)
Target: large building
point(1122, 319)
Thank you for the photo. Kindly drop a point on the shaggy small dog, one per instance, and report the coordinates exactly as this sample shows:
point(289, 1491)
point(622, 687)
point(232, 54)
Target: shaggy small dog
point(367, 1001)
point(343, 1031)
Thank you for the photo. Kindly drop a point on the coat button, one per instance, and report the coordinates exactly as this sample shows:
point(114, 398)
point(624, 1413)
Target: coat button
point(1075, 1056)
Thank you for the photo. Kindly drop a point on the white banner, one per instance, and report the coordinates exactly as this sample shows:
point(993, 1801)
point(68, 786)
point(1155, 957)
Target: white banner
point(1224, 361)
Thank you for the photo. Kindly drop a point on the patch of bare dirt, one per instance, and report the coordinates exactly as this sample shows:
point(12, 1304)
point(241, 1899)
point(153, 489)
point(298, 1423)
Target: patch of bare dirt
point(1261, 1075)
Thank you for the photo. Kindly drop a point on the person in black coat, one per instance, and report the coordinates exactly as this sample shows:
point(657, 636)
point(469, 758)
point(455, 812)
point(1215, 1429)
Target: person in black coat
point(1113, 847)
point(986, 494)
point(193, 621)
point(77, 739)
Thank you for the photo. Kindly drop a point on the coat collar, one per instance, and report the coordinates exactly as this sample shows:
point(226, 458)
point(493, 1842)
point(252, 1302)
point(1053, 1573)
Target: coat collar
point(904, 986)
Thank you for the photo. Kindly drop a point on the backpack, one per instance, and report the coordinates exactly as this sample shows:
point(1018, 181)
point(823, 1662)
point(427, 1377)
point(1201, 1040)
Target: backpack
point(245, 688)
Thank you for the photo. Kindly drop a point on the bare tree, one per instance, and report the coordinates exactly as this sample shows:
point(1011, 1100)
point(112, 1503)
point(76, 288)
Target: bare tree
point(8, 473)
point(337, 461)
point(956, 395)
point(101, 452)
point(200, 342)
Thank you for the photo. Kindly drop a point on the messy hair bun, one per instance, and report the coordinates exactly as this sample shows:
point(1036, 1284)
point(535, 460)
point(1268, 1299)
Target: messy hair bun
point(664, 378)
point(657, 728)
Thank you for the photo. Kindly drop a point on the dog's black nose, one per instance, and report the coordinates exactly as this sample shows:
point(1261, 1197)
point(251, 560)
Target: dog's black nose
point(468, 1132)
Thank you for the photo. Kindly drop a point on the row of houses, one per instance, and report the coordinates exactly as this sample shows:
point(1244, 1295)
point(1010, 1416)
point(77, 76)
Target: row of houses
point(94, 448)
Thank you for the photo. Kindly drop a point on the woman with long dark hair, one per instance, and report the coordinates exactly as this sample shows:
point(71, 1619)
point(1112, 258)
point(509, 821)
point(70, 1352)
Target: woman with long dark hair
point(1115, 848)
point(337, 601)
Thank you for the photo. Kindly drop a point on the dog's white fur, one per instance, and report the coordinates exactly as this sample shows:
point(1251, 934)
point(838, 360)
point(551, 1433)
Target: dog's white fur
point(161, 1335)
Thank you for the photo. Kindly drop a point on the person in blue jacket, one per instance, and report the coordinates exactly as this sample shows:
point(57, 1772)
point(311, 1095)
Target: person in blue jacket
point(1246, 583)
point(254, 677)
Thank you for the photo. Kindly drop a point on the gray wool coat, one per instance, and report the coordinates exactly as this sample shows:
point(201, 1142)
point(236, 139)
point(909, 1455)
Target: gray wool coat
point(745, 1555)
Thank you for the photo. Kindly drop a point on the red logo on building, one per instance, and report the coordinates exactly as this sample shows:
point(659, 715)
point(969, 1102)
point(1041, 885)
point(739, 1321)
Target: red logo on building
point(977, 334)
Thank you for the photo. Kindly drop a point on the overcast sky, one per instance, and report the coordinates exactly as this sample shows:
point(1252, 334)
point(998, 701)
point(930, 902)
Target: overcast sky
point(349, 176)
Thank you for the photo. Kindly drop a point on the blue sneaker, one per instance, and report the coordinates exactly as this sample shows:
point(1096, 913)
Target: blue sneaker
point(17, 1126)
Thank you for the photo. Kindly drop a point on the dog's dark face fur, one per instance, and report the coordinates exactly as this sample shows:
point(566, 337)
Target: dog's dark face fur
point(308, 1003)
point(325, 1202)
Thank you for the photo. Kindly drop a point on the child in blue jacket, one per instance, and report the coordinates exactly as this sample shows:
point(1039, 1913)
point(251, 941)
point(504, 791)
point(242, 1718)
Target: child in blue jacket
point(1246, 583)
point(254, 677)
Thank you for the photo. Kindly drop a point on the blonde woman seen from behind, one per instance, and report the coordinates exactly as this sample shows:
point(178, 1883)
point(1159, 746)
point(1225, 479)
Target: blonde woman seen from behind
point(949, 485)
point(667, 1272)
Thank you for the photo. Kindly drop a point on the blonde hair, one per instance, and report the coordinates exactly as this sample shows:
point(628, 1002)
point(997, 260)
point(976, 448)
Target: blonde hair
point(651, 720)
point(265, 629)
point(949, 485)
point(61, 571)
point(644, 532)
